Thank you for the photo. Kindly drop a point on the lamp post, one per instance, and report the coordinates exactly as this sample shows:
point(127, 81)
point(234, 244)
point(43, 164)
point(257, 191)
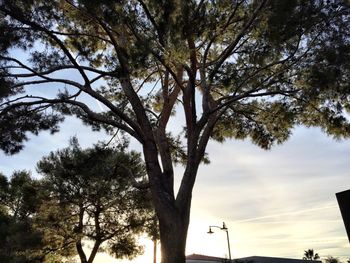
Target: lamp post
point(224, 228)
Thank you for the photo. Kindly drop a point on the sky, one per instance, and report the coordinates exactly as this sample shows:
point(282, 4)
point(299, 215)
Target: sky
point(275, 203)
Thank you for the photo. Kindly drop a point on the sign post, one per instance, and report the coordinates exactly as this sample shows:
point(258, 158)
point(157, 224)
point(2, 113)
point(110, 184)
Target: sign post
point(344, 205)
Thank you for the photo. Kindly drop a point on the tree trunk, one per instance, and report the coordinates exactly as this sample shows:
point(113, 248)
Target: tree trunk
point(173, 240)
point(78, 243)
point(94, 251)
point(81, 252)
point(154, 250)
point(173, 213)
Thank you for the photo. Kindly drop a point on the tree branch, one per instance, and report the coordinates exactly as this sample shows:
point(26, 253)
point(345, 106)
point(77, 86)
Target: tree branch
point(91, 114)
point(19, 17)
point(226, 53)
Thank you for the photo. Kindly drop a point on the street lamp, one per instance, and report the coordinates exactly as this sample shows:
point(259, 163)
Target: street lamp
point(224, 228)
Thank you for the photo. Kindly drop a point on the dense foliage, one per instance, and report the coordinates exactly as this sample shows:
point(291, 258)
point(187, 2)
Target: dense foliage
point(92, 197)
point(310, 255)
point(20, 199)
point(85, 198)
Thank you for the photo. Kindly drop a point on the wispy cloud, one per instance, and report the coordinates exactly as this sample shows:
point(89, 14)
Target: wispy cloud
point(278, 202)
point(285, 214)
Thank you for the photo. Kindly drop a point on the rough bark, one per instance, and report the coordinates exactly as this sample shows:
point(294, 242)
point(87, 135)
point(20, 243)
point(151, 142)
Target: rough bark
point(173, 219)
point(173, 234)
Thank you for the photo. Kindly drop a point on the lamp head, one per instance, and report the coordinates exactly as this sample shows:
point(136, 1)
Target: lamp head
point(224, 227)
point(210, 232)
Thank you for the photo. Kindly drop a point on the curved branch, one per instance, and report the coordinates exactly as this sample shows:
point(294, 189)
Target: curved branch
point(51, 70)
point(90, 114)
point(89, 91)
point(19, 17)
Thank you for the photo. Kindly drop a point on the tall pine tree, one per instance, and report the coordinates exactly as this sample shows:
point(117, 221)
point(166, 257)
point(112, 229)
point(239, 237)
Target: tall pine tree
point(234, 69)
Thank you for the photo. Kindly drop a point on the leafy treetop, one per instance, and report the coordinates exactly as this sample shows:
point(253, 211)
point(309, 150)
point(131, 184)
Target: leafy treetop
point(92, 196)
point(258, 67)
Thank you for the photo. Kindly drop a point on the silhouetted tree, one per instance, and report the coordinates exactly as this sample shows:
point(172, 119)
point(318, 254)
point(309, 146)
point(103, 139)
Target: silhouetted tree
point(310, 255)
point(92, 197)
point(20, 198)
point(237, 69)
point(331, 259)
point(152, 231)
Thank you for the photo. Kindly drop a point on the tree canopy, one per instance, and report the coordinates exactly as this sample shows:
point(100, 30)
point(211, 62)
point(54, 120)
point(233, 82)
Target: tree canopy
point(234, 69)
point(331, 259)
point(310, 255)
point(86, 196)
point(20, 199)
point(92, 197)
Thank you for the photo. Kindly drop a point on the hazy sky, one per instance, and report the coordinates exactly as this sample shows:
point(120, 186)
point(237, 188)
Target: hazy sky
point(275, 203)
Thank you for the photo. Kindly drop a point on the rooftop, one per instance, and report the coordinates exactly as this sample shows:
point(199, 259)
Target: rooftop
point(196, 258)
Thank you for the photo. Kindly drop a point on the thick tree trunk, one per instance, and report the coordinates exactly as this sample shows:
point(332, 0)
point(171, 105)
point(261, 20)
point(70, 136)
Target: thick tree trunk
point(173, 213)
point(173, 236)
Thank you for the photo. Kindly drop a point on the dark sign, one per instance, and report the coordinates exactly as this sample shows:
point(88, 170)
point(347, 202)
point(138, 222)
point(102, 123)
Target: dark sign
point(344, 205)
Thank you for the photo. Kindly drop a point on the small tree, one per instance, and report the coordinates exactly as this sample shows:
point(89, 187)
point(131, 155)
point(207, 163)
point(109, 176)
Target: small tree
point(310, 255)
point(20, 198)
point(92, 197)
point(331, 259)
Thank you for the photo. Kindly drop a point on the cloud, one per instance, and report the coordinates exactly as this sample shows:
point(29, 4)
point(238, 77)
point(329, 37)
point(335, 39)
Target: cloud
point(278, 202)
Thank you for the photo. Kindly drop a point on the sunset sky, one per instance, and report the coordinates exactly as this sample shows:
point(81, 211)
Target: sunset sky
point(275, 203)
